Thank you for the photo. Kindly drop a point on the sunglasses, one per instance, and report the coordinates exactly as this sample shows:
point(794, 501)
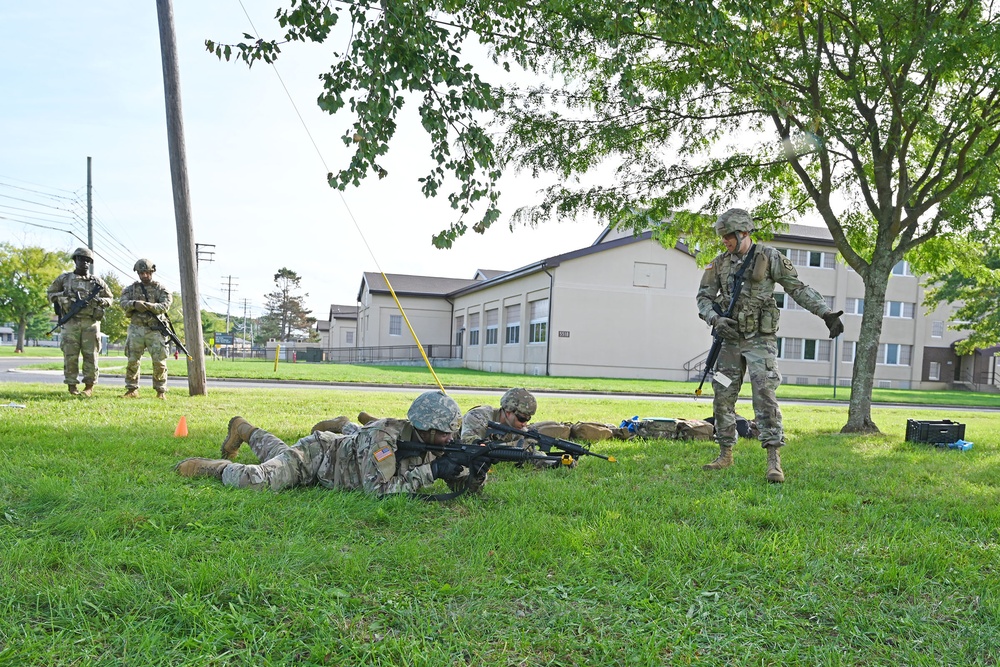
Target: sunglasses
point(524, 419)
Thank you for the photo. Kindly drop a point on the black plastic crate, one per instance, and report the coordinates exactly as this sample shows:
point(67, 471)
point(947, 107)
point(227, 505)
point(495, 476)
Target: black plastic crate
point(934, 431)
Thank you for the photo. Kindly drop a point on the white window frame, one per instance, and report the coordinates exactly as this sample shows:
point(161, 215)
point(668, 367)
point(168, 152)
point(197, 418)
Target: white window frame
point(492, 326)
point(473, 329)
point(848, 356)
point(854, 306)
point(538, 321)
point(937, 329)
point(895, 354)
point(512, 324)
point(395, 325)
point(902, 268)
point(349, 337)
point(905, 310)
point(805, 349)
point(934, 371)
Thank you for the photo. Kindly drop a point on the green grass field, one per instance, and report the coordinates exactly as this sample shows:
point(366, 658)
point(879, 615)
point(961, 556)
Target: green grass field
point(874, 552)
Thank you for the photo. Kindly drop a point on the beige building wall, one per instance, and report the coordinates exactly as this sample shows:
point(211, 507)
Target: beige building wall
point(429, 316)
point(343, 333)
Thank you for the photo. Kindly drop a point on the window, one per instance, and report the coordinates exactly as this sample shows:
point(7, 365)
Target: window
point(395, 325)
point(934, 372)
point(813, 258)
point(512, 322)
point(937, 329)
point(850, 349)
point(349, 338)
point(855, 307)
point(786, 302)
point(538, 321)
point(902, 268)
point(473, 329)
point(459, 329)
point(894, 354)
point(902, 309)
point(492, 320)
point(804, 349)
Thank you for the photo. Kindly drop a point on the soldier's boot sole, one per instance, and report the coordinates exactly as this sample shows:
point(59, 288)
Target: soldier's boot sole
point(239, 432)
point(161, 395)
point(364, 418)
point(73, 391)
point(201, 467)
point(723, 460)
point(88, 390)
point(775, 474)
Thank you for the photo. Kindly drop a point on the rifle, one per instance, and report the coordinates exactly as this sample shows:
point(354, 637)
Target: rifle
point(74, 308)
point(713, 352)
point(547, 442)
point(477, 457)
point(163, 324)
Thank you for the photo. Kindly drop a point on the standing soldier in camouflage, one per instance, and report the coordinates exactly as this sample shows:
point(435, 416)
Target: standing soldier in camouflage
point(143, 301)
point(749, 340)
point(81, 335)
point(365, 460)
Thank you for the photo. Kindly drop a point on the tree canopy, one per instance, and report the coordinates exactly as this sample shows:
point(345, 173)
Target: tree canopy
point(882, 119)
point(24, 281)
point(286, 317)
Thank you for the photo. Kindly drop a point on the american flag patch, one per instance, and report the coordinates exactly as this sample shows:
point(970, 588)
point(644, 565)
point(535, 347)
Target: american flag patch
point(383, 453)
point(710, 265)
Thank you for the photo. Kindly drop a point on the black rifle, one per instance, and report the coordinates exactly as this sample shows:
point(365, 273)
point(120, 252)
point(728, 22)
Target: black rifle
point(547, 442)
point(476, 456)
point(163, 324)
point(74, 308)
point(713, 353)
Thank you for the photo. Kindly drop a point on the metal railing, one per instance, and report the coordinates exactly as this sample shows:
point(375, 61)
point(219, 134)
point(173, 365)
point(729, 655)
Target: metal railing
point(389, 354)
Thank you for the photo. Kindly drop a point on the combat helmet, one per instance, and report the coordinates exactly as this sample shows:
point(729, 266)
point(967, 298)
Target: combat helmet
point(732, 221)
point(144, 265)
point(435, 410)
point(83, 252)
point(520, 401)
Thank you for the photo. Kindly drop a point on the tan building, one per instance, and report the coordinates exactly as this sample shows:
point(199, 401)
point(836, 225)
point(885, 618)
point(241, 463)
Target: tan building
point(625, 307)
point(341, 329)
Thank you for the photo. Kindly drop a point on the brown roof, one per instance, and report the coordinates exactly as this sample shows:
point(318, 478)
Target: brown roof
point(412, 285)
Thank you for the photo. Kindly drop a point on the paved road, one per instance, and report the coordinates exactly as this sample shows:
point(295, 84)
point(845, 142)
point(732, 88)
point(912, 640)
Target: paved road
point(11, 371)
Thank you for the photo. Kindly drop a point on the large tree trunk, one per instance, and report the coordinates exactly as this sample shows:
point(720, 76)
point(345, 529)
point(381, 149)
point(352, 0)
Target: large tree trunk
point(22, 328)
point(859, 415)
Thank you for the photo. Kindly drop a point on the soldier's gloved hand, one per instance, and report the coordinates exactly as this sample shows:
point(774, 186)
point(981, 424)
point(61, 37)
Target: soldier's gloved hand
point(834, 323)
point(726, 327)
point(140, 306)
point(448, 469)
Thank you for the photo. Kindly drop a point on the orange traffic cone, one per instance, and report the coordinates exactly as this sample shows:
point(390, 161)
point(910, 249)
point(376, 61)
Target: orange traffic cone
point(182, 428)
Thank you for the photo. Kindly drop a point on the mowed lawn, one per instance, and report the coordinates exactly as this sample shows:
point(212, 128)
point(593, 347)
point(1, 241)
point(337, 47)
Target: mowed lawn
point(874, 552)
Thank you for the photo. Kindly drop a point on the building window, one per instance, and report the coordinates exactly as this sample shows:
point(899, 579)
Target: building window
point(459, 329)
point(937, 329)
point(785, 302)
point(395, 325)
point(850, 349)
point(512, 322)
point(538, 321)
point(349, 337)
point(813, 258)
point(473, 329)
point(894, 354)
point(803, 349)
point(855, 307)
point(492, 323)
point(902, 268)
point(902, 309)
point(934, 372)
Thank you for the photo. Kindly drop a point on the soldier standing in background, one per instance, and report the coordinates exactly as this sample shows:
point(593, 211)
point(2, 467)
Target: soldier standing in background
point(749, 340)
point(143, 301)
point(81, 334)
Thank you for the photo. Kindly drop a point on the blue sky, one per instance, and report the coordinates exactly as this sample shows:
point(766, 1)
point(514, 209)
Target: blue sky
point(84, 79)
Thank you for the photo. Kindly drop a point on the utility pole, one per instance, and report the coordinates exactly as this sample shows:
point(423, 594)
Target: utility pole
point(182, 203)
point(227, 285)
point(246, 305)
point(90, 210)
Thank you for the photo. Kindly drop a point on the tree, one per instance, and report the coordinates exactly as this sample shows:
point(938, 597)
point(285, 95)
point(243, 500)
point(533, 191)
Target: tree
point(115, 323)
point(286, 317)
point(24, 281)
point(880, 118)
point(973, 280)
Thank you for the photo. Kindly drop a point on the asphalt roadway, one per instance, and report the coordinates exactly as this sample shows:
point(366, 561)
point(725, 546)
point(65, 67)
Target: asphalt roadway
point(11, 371)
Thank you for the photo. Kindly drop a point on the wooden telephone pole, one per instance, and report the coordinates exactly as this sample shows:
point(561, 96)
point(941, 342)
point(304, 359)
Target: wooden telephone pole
point(182, 203)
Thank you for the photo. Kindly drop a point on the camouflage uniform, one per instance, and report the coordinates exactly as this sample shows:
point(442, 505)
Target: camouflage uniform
point(757, 316)
point(82, 334)
point(365, 460)
point(142, 335)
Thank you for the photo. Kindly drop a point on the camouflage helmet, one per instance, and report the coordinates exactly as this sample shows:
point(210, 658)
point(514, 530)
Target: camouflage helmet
point(435, 410)
point(83, 252)
point(519, 400)
point(732, 221)
point(144, 265)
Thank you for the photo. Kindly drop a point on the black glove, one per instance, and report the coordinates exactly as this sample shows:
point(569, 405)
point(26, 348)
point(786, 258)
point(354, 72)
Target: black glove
point(834, 323)
point(448, 469)
point(726, 327)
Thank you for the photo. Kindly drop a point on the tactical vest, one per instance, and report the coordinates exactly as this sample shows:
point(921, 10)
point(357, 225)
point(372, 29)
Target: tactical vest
point(755, 311)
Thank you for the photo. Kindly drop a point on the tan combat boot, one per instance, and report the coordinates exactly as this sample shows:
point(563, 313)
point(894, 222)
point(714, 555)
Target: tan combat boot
point(73, 391)
point(239, 432)
point(131, 393)
point(774, 472)
point(162, 395)
point(335, 425)
point(364, 418)
point(723, 460)
point(88, 389)
point(199, 467)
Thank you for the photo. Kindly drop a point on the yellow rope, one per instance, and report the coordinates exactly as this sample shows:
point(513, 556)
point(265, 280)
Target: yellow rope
point(413, 333)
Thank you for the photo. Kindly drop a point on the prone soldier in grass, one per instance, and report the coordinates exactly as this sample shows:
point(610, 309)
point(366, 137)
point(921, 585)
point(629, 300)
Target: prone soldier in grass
point(748, 337)
point(365, 460)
